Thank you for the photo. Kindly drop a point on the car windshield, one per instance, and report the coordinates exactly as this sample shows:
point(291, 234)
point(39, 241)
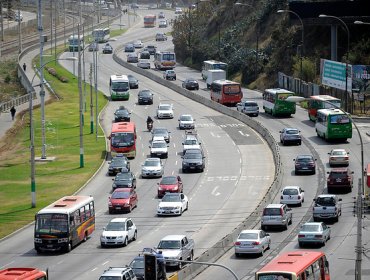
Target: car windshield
point(116, 226)
point(160, 131)
point(122, 112)
point(145, 93)
point(170, 180)
point(159, 145)
point(118, 195)
point(137, 263)
point(191, 81)
point(151, 163)
point(169, 244)
point(123, 139)
point(116, 163)
point(338, 153)
point(248, 235)
point(192, 156)
point(310, 228)
point(304, 159)
point(325, 201)
point(272, 212)
point(186, 118)
point(338, 175)
point(292, 131)
point(250, 104)
point(171, 198)
point(190, 142)
point(290, 191)
point(123, 177)
point(164, 107)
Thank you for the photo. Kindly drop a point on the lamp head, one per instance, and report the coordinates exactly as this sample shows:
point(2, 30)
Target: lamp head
point(322, 16)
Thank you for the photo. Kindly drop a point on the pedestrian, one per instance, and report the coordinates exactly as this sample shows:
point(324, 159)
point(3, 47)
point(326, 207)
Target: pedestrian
point(24, 66)
point(12, 112)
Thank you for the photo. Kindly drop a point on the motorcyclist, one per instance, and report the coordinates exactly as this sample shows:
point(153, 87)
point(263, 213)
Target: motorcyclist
point(149, 122)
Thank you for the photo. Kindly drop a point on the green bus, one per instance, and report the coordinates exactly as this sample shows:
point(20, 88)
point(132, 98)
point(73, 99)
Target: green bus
point(119, 87)
point(333, 124)
point(275, 104)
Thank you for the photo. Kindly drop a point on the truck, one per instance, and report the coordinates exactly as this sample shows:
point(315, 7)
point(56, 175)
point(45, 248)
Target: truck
point(178, 247)
point(215, 74)
point(327, 207)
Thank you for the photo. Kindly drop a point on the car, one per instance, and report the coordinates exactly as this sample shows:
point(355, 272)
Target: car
point(145, 96)
point(162, 23)
point(138, 265)
point(313, 233)
point(190, 84)
point(248, 107)
point(305, 164)
point(170, 184)
point(290, 135)
point(18, 17)
point(340, 178)
point(122, 199)
point(161, 15)
point(160, 36)
point(193, 160)
point(161, 132)
point(144, 55)
point(191, 141)
point(129, 48)
point(124, 179)
point(173, 204)
point(122, 115)
point(292, 195)
point(94, 46)
point(178, 11)
point(165, 111)
point(134, 6)
point(118, 273)
point(138, 44)
point(133, 82)
point(159, 148)
point(327, 207)
point(132, 58)
point(107, 48)
point(338, 157)
point(151, 49)
point(252, 241)
point(119, 231)
point(117, 164)
point(186, 121)
point(152, 167)
point(169, 75)
point(144, 63)
point(276, 215)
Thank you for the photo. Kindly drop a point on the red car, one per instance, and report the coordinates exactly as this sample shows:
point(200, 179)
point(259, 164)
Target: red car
point(122, 199)
point(171, 184)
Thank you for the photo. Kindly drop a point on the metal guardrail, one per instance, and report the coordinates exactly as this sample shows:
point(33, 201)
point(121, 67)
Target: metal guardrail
point(5, 107)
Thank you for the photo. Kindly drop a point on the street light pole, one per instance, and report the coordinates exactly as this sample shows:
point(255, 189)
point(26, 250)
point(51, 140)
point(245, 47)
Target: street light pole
point(80, 100)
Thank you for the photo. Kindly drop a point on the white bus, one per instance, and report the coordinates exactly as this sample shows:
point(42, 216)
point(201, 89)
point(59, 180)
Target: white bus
point(75, 43)
point(101, 35)
point(119, 87)
point(212, 65)
point(164, 60)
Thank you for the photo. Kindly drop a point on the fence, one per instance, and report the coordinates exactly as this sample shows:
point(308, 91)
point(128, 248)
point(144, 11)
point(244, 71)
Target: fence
point(5, 107)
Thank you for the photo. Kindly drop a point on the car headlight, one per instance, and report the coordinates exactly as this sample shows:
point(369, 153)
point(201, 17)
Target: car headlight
point(38, 240)
point(109, 203)
point(177, 207)
point(176, 188)
point(185, 163)
point(160, 188)
point(114, 185)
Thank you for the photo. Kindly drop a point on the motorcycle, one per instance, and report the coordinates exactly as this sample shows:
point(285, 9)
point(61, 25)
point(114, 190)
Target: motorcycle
point(149, 126)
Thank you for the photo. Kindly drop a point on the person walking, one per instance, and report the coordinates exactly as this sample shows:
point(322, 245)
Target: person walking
point(12, 112)
point(24, 67)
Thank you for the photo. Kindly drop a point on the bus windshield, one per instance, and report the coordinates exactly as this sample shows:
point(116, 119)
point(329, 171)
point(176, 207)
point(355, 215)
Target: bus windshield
point(339, 119)
point(221, 66)
point(274, 276)
point(120, 86)
point(123, 139)
point(168, 56)
point(51, 223)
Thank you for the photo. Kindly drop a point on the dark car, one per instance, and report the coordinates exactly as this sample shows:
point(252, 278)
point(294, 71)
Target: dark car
point(190, 84)
point(305, 164)
point(171, 184)
point(193, 160)
point(117, 164)
point(130, 48)
point(122, 199)
point(161, 131)
point(122, 115)
point(290, 135)
point(144, 55)
point(137, 265)
point(151, 49)
point(107, 48)
point(124, 179)
point(145, 96)
point(340, 179)
point(134, 83)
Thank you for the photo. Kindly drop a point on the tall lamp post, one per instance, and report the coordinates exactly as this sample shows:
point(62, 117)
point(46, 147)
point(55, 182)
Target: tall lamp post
point(346, 72)
point(32, 132)
point(302, 43)
point(360, 192)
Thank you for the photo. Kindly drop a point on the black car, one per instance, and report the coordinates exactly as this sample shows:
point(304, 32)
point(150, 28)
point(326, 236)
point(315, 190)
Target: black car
point(151, 49)
point(134, 83)
point(161, 131)
point(137, 265)
point(144, 55)
point(107, 48)
point(305, 164)
point(122, 115)
point(193, 160)
point(190, 83)
point(117, 164)
point(145, 96)
point(124, 179)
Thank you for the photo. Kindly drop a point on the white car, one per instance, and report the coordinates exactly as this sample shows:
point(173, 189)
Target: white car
point(178, 11)
point(292, 195)
point(165, 111)
point(144, 63)
point(138, 44)
point(252, 242)
point(338, 157)
point(162, 23)
point(186, 121)
point(119, 231)
point(190, 142)
point(152, 167)
point(173, 204)
point(159, 148)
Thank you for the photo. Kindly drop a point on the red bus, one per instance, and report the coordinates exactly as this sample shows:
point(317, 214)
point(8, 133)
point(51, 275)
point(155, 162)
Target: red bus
point(226, 92)
point(64, 223)
point(123, 138)
point(296, 265)
point(317, 102)
point(149, 20)
point(22, 273)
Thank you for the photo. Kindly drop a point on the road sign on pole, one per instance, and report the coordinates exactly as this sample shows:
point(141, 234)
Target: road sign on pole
point(333, 74)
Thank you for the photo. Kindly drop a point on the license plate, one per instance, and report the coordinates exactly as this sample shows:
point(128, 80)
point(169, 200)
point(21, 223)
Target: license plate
point(304, 167)
point(192, 167)
point(118, 208)
point(339, 180)
point(49, 246)
point(167, 212)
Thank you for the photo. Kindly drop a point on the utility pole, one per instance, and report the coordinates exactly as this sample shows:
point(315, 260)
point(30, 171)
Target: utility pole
point(80, 99)
point(19, 29)
point(91, 101)
point(358, 264)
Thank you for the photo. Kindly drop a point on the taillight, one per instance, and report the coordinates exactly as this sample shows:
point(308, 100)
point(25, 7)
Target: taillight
point(256, 243)
point(346, 158)
point(301, 235)
point(281, 212)
point(237, 243)
point(281, 197)
point(299, 197)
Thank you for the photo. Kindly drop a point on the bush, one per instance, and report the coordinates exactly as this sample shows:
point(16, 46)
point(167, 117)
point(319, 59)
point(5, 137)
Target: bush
point(7, 79)
point(52, 71)
point(63, 79)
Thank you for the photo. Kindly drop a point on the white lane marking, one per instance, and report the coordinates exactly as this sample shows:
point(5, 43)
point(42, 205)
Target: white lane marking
point(215, 192)
point(241, 132)
point(174, 145)
point(235, 178)
point(104, 263)
point(95, 268)
point(215, 135)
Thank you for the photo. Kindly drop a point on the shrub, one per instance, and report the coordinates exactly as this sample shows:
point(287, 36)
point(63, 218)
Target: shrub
point(52, 71)
point(63, 79)
point(7, 79)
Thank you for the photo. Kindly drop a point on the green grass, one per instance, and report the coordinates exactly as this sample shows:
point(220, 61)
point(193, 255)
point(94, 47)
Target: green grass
point(55, 179)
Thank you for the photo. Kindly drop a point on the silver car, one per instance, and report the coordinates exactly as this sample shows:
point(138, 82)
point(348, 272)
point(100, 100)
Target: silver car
point(313, 233)
point(249, 108)
point(338, 157)
point(276, 215)
point(252, 242)
point(152, 167)
point(290, 135)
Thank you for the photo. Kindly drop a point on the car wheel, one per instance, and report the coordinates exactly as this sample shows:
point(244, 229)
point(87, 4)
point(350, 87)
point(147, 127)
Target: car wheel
point(336, 219)
point(263, 227)
point(300, 244)
point(269, 245)
point(315, 219)
point(135, 236)
point(290, 221)
point(85, 237)
point(191, 256)
point(110, 211)
point(180, 265)
point(262, 251)
point(187, 206)
point(286, 226)
point(300, 204)
point(125, 243)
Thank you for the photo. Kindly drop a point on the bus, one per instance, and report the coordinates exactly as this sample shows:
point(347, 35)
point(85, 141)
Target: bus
point(333, 124)
point(123, 138)
point(275, 104)
point(119, 87)
point(149, 20)
point(64, 223)
point(296, 265)
point(164, 60)
point(317, 102)
point(75, 43)
point(22, 273)
point(226, 92)
point(101, 35)
point(212, 65)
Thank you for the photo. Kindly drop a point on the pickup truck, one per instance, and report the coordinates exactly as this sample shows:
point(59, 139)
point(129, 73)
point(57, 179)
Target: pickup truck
point(176, 247)
point(327, 207)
